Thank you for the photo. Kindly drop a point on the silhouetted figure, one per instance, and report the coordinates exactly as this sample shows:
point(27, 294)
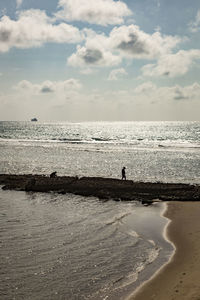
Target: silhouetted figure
point(53, 175)
point(124, 173)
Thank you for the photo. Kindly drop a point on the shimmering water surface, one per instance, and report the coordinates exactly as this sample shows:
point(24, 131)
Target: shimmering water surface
point(154, 151)
point(71, 247)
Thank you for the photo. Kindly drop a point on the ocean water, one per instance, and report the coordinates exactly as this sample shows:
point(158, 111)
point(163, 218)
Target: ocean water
point(72, 247)
point(151, 151)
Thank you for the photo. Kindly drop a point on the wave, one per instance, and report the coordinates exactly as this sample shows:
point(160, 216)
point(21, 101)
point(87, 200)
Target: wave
point(67, 140)
point(180, 145)
point(100, 139)
point(137, 143)
point(133, 276)
point(118, 218)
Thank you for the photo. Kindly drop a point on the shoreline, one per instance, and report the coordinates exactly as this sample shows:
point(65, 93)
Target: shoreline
point(152, 270)
point(179, 278)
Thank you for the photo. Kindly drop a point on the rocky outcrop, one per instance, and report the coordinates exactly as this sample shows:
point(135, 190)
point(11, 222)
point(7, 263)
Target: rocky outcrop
point(103, 188)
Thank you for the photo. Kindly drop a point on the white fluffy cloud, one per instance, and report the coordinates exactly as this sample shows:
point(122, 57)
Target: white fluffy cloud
point(48, 87)
point(195, 25)
point(32, 29)
point(115, 74)
point(172, 65)
point(186, 93)
point(93, 56)
point(122, 42)
point(102, 12)
point(174, 93)
point(132, 42)
point(95, 53)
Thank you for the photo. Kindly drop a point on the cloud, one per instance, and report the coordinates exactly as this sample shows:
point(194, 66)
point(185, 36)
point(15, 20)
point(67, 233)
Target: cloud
point(102, 12)
point(45, 89)
point(115, 74)
point(123, 42)
point(179, 95)
point(33, 28)
point(93, 57)
point(148, 91)
point(145, 87)
point(19, 3)
point(135, 43)
point(48, 86)
point(146, 102)
point(172, 65)
point(190, 92)
point(195, 25)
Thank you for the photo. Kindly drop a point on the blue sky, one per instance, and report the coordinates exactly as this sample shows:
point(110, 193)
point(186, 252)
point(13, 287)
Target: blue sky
point(86, 60)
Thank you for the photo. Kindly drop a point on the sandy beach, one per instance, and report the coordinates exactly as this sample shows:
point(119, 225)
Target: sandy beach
point(179, 279)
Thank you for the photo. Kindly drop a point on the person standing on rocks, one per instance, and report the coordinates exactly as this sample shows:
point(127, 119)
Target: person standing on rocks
point(124, 173)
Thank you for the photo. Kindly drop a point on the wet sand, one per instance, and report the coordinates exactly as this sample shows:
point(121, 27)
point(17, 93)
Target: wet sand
point(179, 279)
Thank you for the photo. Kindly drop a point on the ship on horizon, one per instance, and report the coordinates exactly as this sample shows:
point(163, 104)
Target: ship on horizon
point(34, 120)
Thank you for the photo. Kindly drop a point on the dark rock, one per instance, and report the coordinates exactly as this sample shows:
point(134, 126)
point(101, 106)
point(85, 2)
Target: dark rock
point(53, 175)
point(62, 192)
point(103, 188)
point(5, 187)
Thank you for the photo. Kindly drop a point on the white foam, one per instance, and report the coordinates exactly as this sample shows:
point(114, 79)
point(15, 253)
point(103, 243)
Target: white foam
point(165, 235)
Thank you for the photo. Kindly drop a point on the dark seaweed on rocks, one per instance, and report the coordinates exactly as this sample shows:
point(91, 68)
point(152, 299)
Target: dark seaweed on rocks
point(103, 188)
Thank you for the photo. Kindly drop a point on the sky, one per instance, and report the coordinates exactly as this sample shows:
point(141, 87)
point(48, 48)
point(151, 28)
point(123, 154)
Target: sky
point(100, 60)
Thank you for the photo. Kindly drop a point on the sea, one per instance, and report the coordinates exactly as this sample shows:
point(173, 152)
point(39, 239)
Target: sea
point(70, 247)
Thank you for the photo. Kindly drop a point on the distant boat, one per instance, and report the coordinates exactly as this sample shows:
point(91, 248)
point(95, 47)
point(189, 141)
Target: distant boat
point(34, 120)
